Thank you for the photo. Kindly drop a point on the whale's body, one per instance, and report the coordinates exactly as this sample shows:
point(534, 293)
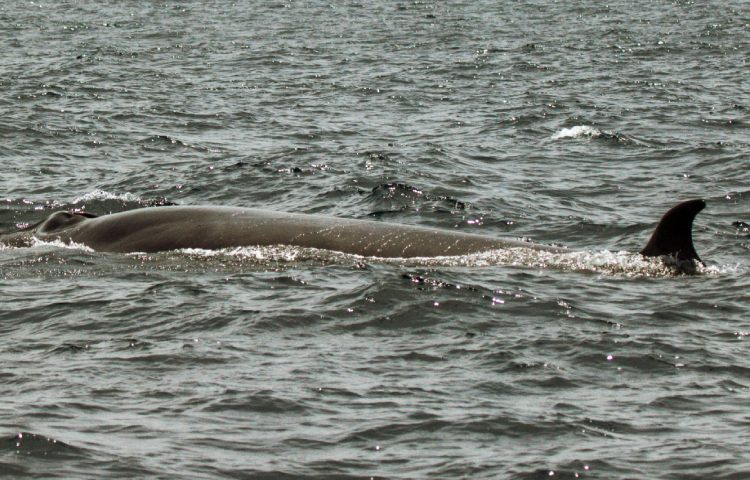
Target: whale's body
point(170, 228)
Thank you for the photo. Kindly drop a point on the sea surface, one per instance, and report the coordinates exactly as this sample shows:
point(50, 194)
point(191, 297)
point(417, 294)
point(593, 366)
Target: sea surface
point(566, 123)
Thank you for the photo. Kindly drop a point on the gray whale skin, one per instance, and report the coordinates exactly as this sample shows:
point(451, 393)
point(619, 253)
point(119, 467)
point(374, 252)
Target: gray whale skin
point(155, 229)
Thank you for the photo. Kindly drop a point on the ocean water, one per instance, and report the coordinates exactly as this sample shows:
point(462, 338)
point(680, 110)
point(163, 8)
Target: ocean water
point(568, 123)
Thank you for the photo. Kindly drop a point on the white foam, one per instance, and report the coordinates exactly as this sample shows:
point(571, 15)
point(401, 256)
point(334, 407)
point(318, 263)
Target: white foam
point(602, 262)
point(259, 253)
point(104, 195)
point(576, 132)
point(723, 269)
point(37, 243)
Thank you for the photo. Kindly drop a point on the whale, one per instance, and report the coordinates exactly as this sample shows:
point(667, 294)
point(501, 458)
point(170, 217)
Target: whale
point(156, 229)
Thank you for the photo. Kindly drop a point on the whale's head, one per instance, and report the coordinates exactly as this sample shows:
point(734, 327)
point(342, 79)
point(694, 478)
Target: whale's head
point(53, 226)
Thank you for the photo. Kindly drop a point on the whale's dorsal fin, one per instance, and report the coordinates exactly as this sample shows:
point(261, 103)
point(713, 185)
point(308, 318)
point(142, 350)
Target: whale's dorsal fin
point(673, 235)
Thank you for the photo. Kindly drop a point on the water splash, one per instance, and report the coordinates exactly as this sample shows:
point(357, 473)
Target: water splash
point(104, 195)
point(601, 262)
point(577, 132)
point(276, 253)
point(37, 243)
point(604, 262)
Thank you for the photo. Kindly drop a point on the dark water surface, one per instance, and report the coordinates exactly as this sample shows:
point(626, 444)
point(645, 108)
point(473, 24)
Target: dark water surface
point(572, 123)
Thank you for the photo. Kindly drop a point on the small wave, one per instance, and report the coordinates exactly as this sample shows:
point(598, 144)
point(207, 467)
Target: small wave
point(155, 140)
point(577, 132)
point(163, 143)
point(723, 269)
point(35, 444)
point(406, 196)
point(37, 243)
point(259, 253)
point(588, 131)
point(104, 195)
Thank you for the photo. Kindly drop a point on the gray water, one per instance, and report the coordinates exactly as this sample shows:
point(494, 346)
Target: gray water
point(574, 123)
